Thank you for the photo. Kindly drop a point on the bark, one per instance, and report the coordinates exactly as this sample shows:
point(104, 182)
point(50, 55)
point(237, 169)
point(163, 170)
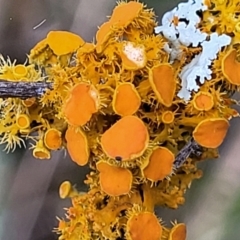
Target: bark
point(23, 90)
point(191, 148)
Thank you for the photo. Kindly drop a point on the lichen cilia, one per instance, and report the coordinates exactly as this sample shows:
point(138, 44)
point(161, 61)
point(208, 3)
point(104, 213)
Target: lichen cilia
point(126, 105)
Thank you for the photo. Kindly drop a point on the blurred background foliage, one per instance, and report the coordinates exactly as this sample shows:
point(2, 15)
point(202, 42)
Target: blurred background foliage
point(29, 201)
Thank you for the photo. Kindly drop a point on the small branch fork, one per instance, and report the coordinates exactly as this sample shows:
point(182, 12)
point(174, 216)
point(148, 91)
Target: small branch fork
point(23, 90)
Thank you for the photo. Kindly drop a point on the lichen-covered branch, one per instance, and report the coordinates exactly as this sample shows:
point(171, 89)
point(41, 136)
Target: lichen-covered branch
point(23, 90)
point(121, 110)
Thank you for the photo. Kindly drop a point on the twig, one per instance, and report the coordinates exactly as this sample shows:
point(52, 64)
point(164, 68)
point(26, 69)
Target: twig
point(23, 89)
point(190, 148)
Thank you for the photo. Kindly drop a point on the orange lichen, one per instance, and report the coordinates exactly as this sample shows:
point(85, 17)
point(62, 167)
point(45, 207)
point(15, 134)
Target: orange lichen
point(160, 164)
point(133, 56)
point(53, 139)
point(23, 121)
point(128, 138)
point(20, 70)
point(114, 181)
point(77, 145)
point(142, 226)
point(178, 232)
point(39, 48)
point(211, 132)
point(40, 151)
point(163, 82)
point(63, 42)
point(85, 54)
point(126, 100)
point(66, 190)
point(203, 101)
point(81, 104)
point(168, 117)
point(231, 67)
point(29, 101)
point(124, 13)
point(41, 53)
point(102, 36)
point(115, 106)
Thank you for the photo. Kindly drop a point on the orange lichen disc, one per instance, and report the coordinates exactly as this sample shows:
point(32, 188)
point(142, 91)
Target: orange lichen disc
point(168, 117)
point(102, 35)
point(203, 101)
point(53, 139)
point(163, 82)
point(231, 67)
point(133, 56)
point(63, 42)
point(114, 181)
point(144, 225)
point(128, 138)
point(20, 70)
point(125, 13)
point(29, 101)
point(77, 145)
point(178, 232)
point(210, 133)
point(65, 189)
point(40, 151)
point(23, 121)
point(160, 164)
point(81, 104)
point(126, 100)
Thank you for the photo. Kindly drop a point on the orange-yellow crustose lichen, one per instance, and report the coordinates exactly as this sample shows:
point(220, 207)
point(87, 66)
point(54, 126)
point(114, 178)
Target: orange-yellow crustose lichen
point(81, 104)
point(168, 117)
point(62, 42)
point(178, 232)
point(115, 106)
point(20, 71)
point(126, 100)
point(53, 139)
point(160, 164)
point(40, 151)
point(29, 102)
point(210, 133)
point(163, 82)
point(131, 136)
point(144, 225)
point(114, 181)
point(130, 10)
point(66, 190)
point(229, 63)
point(23, 121)
point(77, 145)
point(203, 101)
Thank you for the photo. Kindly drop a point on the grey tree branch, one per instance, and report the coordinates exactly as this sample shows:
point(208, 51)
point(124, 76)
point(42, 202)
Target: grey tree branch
point(23, 89)
point(190, 148)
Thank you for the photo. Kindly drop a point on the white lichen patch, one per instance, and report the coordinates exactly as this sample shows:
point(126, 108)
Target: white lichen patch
point(135, 53)
point(180, 28)
point(198, 68)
